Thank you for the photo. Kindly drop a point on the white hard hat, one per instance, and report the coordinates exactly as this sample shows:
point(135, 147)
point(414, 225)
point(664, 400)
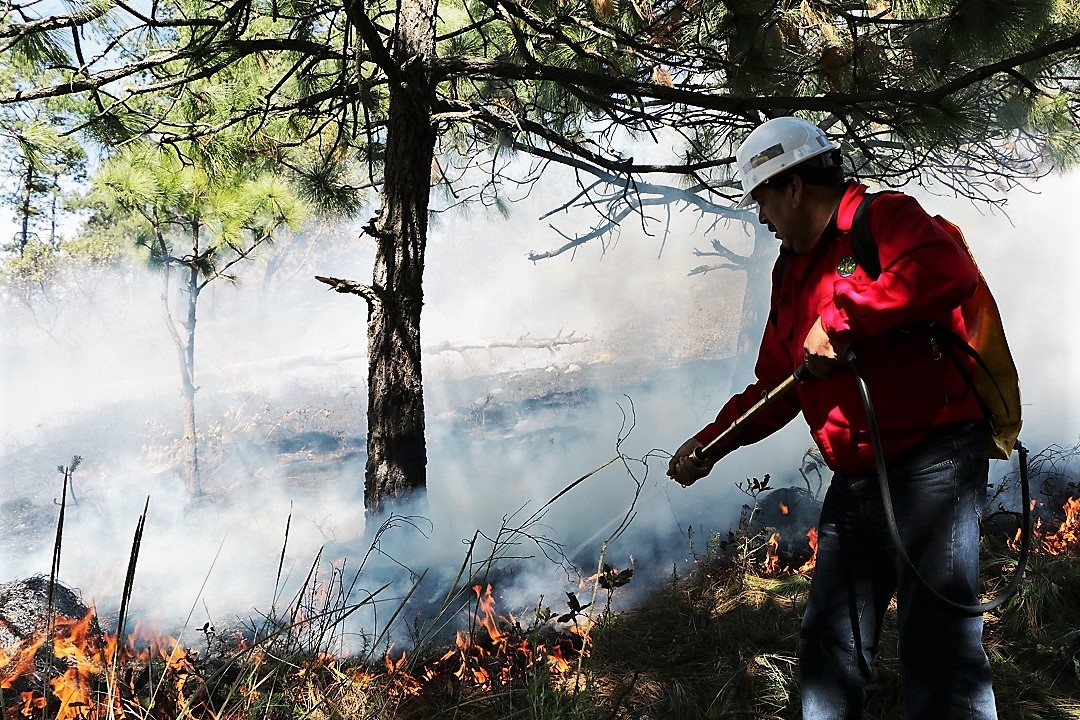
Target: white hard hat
point(775, 146)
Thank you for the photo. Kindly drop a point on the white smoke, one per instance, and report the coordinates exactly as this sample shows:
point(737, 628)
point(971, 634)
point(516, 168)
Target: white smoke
point(500, 442)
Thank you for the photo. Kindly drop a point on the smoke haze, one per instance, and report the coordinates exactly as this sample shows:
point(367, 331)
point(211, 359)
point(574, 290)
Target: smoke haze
point(284, 370)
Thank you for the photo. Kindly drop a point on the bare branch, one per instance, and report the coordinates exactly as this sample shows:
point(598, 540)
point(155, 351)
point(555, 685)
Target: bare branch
point(368, 292)
point(523, 342)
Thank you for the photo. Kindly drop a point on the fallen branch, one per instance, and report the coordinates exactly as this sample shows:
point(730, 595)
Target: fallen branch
point(523, 342)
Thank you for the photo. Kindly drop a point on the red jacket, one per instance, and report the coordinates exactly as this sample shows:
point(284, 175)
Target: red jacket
point(914, 383)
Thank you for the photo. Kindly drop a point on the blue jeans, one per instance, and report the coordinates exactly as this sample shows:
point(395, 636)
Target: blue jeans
point(938, 492)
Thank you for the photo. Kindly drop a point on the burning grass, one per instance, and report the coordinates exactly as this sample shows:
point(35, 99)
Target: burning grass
point(493, 667)
point(718, 643)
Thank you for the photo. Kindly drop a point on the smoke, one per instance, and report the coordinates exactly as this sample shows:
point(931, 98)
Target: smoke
point(281, 369)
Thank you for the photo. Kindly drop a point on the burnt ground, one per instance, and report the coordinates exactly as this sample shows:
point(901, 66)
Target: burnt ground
point(306, 436)
point(302, 419)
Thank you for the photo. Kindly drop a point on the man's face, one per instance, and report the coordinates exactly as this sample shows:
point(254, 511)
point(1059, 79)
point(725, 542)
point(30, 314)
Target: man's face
point(778, 209)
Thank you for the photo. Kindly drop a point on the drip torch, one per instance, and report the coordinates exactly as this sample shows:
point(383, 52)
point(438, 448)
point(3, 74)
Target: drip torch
point(801, 373)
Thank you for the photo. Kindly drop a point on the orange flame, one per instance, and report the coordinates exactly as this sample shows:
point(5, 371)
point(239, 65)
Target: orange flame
point(486, 604)
point(784, 509)
point(809, 565)
point(496, 653)
point(1067, 535)
point(83, 659)
point(771, 565)
point(1062, 541)
point(772, 554)
point(20, 663)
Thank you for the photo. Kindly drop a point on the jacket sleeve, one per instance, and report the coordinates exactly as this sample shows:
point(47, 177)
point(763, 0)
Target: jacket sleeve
point(924, 274)
point(773, 367)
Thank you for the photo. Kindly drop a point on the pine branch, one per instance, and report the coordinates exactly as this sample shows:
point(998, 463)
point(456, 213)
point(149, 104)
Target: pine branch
point(355, 11)
point(1071, 42)
point(53, 22)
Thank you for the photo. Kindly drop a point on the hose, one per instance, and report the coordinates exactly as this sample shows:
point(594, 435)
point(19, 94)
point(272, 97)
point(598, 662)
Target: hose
point(890, 517)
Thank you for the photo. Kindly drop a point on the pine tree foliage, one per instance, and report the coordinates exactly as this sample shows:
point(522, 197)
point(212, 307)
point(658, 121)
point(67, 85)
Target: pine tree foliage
point(199, 206)
point(38, 157)
point(979, 93)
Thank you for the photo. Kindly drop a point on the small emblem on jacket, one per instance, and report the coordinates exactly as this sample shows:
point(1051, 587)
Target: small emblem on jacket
point(846, 266)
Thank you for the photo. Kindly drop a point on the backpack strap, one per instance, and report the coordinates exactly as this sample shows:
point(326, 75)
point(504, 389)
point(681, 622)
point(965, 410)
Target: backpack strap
point(862, 240)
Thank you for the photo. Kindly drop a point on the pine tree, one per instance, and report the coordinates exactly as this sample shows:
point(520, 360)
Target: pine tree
point(401, 96)
point(199, 217)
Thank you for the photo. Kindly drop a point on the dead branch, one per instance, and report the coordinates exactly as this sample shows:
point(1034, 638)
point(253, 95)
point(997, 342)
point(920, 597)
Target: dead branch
point(700, 269)
point(523, 342)
point(368, 292)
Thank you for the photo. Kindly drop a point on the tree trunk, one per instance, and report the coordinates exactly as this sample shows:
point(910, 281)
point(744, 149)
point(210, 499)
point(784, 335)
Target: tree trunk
point(54, 241)
point(397, 451)
point(755, 306)
point(185, 354)
point(28, 193)
point(187, 374)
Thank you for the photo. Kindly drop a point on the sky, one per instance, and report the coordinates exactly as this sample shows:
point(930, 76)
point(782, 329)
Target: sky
point(658, 357)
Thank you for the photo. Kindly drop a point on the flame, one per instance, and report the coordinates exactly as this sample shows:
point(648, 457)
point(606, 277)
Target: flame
point(80, 656)
point(400, 682)
point(18, 664)
point(784, 509)
point(495, 652)
point(486, 605)
point(74, 643)
point(31, 702)
point(1067, 535)
point(85, 683)
point(772, 555)
point(1064, 540)
point(771, 565)
point(809, 565)
point(99, 676)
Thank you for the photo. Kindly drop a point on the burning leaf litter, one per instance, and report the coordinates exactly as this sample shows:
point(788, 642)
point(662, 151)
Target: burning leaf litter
point(1063, 541)
point(85, 674)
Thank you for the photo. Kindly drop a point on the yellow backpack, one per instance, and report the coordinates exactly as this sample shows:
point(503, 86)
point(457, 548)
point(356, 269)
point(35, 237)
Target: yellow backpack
point(995, 380)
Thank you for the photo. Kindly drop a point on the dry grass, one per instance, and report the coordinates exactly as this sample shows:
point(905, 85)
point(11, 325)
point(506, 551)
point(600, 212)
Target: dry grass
point(722, 644)
point(719, 643)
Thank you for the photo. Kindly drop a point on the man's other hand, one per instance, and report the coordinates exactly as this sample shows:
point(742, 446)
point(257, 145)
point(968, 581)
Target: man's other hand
point(684, 468)
point(819, 353)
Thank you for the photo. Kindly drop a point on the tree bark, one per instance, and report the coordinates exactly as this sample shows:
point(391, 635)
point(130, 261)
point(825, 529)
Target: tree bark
point(397, 451)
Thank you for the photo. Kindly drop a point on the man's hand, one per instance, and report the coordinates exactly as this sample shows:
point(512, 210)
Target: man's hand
point(683, 468)
point(819, 354)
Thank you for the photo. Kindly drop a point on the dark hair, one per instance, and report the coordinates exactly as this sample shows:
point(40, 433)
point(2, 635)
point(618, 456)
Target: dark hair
point(826, 170)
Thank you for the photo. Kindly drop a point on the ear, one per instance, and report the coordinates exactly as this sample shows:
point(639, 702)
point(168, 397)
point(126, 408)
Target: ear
point(795, 190)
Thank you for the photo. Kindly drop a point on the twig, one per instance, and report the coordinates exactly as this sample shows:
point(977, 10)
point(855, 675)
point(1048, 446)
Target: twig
point(125, 600)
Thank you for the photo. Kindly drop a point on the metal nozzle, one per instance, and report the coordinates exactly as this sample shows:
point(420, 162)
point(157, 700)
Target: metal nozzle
point(801, 373)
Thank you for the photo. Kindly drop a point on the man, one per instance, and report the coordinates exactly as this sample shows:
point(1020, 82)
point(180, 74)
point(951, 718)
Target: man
point(932, 427)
